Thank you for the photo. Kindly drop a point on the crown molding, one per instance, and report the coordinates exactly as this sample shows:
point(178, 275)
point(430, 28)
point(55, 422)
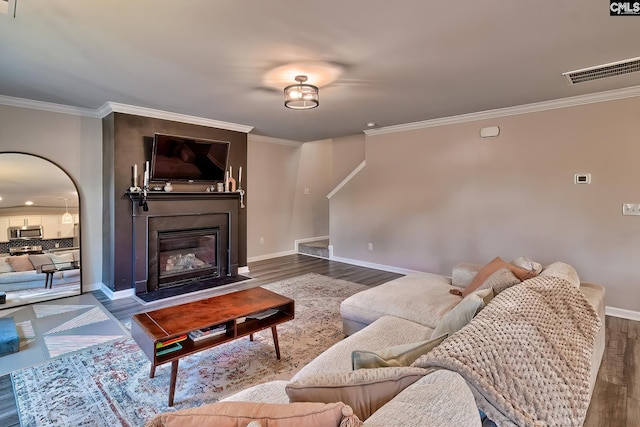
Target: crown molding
point(47, 106)
point(114, 107)
point(271, 140)
point(573, 101)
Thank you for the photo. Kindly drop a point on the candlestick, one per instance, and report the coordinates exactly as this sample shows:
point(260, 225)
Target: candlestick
point(146, 174)
point(135, 175)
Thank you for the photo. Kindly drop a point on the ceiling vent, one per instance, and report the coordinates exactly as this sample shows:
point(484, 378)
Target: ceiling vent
point(603, 71)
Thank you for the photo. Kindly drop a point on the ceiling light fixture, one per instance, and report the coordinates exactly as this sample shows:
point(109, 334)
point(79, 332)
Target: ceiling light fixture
point(301, 96)
point(28, 203)
point(66, 217)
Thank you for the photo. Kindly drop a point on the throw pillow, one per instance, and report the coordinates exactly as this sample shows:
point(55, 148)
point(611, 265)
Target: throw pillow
point(39, 261)
point(500, 280)
point(5, 267)
point(463, 273)
point(462, 313)
point(399, 355)
point(562, 270)
point(233, 414)
point(533, 268)
point(20, 262)
point(63, 260)
point(364, 390)
point(496, 264)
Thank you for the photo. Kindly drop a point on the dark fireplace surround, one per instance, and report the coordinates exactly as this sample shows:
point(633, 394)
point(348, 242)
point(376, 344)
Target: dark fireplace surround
point(184, 212)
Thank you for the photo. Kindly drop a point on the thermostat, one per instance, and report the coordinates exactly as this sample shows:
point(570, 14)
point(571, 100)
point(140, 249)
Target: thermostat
point(582, 178)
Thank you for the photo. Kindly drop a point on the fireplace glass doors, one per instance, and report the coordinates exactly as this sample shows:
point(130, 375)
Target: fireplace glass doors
point(187, 255)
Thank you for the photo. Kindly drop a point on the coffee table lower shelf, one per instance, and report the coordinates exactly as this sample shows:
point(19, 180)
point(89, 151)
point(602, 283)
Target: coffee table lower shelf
point(153, 327)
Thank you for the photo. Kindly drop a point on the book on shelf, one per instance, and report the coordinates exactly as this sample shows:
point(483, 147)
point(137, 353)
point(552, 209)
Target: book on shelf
point(161, 344)
point(210, 332)
point(263, 314)
point(168, 348)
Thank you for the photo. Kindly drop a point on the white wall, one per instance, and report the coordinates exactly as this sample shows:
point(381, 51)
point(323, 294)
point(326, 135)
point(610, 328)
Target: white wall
point(430, 198)
point(74, 143)
point(279, 213)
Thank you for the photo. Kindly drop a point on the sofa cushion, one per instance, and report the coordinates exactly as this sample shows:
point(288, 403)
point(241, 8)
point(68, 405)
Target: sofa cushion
point(384, 332)
point(39, 260)
point(462, 313)
point(420, 297)
point(20, 263)
point(441, 398)
point(234, 414)
point(5, 267)
point(269, 392)
point(398, 355)
point(365, 390)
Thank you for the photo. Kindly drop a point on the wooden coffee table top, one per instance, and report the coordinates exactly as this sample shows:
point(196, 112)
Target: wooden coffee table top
point(180, 319)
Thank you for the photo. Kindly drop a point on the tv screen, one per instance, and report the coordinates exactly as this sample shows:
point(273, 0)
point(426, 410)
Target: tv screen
point(180, 158)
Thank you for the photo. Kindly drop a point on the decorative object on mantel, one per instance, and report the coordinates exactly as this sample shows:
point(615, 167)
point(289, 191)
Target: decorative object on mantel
point(134, 187)
point(230, 184)
point(240, 190)
point(168, 187)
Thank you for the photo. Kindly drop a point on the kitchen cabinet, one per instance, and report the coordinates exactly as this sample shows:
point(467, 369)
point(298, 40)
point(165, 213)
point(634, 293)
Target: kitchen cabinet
point(50, 226)
point(4, 225)
point(19, 221)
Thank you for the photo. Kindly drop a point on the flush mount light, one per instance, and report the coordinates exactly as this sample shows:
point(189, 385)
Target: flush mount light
point(28, 203)
point(301, 96)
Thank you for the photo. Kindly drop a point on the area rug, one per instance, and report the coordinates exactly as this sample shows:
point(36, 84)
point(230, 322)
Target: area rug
point(109, 385)
point(58, 327)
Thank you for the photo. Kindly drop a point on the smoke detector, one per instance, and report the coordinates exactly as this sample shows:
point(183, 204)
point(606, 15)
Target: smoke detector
point(603, 71)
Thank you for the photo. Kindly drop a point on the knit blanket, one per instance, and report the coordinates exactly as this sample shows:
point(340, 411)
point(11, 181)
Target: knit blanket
point(527, 354)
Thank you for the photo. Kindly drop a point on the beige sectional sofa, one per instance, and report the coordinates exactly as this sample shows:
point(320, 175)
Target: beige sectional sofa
point(392, 320)
point(19, 272)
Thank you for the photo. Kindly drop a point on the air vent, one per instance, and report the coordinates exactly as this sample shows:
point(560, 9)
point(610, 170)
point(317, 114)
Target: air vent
point(603, 71)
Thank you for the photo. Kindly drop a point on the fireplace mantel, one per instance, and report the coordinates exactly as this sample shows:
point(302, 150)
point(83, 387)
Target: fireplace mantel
point(135, 196)
point(164, 210)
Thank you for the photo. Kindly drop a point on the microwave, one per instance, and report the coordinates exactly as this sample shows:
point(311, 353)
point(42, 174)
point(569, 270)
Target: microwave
point(26, 232)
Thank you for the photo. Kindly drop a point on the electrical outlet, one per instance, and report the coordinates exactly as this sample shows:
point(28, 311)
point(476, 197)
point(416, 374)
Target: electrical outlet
point(370, 246)
point(307, 191)
point(262, 240)
point(631, 209)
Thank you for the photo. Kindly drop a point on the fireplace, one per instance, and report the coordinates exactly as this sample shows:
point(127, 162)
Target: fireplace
point(187, 255)
point(185, 241)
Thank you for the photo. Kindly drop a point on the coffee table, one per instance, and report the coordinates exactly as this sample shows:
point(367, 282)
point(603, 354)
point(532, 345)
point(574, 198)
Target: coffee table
point(234, 310)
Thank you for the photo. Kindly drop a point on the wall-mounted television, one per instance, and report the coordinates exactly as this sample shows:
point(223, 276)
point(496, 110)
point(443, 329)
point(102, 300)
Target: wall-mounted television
point(182, 158)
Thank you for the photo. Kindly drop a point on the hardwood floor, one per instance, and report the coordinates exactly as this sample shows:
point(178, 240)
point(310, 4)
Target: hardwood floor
point(616, 397)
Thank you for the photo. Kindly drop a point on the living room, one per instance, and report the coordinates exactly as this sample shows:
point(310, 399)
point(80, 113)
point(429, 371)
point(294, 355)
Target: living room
point(419, 195)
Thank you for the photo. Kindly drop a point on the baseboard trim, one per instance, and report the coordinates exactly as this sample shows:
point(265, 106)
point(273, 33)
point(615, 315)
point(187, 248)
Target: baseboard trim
point(375, 266)
point(622, 313)
point(269, 256)
point(117, 294)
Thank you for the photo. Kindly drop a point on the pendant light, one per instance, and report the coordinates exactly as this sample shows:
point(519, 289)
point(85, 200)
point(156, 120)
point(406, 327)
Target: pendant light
point(301, 96)
point(67, 218)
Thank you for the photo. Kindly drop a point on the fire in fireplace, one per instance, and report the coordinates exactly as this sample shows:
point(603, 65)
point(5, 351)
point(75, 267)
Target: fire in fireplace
point(187, 255)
